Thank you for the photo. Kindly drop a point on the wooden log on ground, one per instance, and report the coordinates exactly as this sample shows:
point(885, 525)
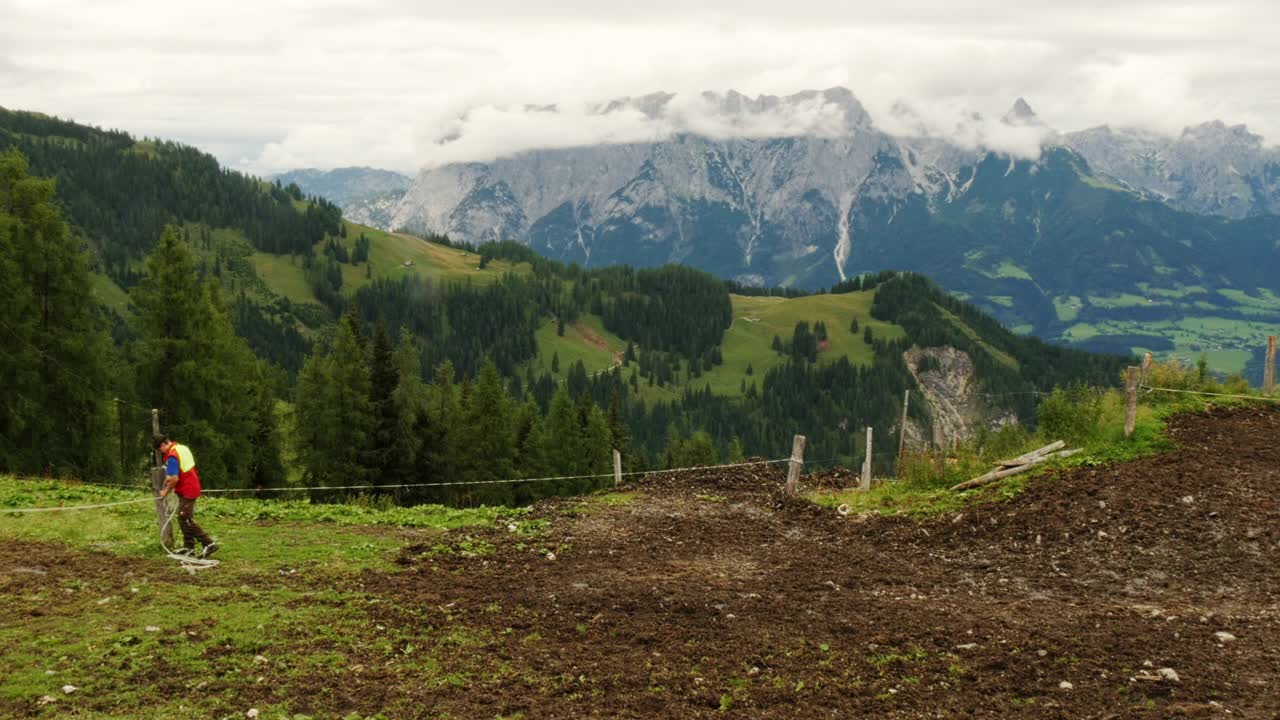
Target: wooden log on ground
point(1028, 457)
point(1007, 472)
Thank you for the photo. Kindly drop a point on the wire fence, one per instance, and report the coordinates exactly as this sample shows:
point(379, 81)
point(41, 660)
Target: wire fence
point(367, 488)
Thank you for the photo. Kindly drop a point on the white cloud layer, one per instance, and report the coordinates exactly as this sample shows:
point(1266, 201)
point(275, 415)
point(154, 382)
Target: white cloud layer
point(327, 83)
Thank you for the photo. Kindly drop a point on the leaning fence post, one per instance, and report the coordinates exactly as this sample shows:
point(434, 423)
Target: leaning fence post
point(617, 468)
point(797, 459)
point(1269, 367)
point(157, 482)
point(866, 464)
point(1130, 400)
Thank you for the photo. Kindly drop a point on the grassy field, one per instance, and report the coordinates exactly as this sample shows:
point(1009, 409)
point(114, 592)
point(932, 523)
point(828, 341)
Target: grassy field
point(1227, 343)
point(233, 627)
point(585, 340)
point(756, 320)
point(108, 293)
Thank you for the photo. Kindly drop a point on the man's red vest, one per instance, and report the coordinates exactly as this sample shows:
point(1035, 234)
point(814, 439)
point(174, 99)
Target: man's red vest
point(188, 481)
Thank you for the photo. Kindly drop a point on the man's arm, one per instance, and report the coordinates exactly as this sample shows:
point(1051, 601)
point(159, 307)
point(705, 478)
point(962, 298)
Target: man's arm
point(171, 476)
point(170, 482)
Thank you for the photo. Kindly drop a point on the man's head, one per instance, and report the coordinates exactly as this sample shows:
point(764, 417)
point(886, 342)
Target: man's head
point(161, 443)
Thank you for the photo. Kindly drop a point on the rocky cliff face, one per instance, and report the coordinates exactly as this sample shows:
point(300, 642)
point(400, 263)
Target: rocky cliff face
point(949, 384)
point(1210, 168)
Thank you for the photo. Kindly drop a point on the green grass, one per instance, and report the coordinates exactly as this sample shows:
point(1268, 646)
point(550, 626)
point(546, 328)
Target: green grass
point(585, 340)
point(1067, 308)
point(269, 610)
point(1008, 269)
point(388, 253)
point(267, 533)
point(105, 291)
point(923, 491)
point(1003, 357)
point(1122, 300)
point(757, 319)
point(284, 275)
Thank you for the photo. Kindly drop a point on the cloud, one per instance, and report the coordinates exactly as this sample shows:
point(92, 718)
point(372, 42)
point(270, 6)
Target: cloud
point(334, 82)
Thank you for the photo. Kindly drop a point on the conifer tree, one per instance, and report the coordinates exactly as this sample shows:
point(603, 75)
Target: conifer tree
point(194, 368)
point(53, 352)
point(563, 448)
point(384, 377)
point(490, 454)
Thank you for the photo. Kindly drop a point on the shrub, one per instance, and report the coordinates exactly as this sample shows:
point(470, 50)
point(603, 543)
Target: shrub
point(1071, 414)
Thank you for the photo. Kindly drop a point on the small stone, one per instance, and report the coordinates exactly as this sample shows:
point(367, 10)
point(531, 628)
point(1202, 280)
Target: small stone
point(68, 689)
point(511, 527)
point(50, 672)
point(551, 556)
point(104, 601)
point(1102, 504)
point(259, 659)
point(1168, 674)
point(46, 699)
point(1102, 534)
point(1222, 636)
point(253, 713)
point(1187, 499)
point(1148, 663)
point(152, 628)
point(1064, 685)
point(967, 646)
point(1042, 653)
point(753, 671)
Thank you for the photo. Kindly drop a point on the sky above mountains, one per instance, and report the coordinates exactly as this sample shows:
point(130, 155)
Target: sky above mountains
point(399, 84)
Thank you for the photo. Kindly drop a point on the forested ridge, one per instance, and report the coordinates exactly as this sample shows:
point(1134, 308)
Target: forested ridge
point(408, 378)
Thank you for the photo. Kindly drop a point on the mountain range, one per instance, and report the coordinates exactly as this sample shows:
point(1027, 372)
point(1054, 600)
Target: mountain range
point(1118, 239)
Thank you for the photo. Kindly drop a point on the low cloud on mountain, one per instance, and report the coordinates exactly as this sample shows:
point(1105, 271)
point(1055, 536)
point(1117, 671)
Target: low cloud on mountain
point(333, 83)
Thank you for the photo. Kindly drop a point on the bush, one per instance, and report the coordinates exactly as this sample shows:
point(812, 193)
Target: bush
point(1071, 414)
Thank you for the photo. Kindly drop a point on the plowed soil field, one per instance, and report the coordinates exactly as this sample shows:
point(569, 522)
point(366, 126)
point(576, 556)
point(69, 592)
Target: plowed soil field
point(1146, 589)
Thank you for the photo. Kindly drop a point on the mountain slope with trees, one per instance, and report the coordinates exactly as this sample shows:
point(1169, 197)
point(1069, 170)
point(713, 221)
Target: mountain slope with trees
point(382, 372)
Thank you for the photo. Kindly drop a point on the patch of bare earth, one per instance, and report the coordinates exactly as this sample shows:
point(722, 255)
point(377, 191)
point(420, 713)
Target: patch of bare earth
point(711, 591)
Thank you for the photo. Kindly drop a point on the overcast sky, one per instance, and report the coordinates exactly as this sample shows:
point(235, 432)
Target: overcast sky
point(268, 86)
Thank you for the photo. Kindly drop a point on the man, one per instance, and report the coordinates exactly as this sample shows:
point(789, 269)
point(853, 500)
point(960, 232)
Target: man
point(182, 480)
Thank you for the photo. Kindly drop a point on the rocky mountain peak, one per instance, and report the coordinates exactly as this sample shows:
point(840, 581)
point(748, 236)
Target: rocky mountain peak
point(1217, 132)
point(1021, 114)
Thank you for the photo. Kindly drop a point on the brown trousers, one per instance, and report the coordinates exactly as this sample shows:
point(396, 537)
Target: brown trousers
point(187, 522)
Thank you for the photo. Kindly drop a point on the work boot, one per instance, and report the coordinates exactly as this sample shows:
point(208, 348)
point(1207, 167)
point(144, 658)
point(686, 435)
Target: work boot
point(209, 549)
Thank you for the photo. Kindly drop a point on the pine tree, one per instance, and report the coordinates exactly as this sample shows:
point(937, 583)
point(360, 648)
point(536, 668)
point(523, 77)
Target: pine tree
point(488, 430)
point(54, 354)
point(384, 377)
point(563, 448)
point(194, 368)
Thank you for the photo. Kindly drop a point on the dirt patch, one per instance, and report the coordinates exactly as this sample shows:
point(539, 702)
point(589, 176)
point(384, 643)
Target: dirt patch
point(591, 336)
point(714, 591)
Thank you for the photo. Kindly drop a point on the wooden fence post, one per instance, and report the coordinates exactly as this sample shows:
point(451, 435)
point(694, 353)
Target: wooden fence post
point(157, 482)
point(797, 459)
point(1269, 367)
point(1146, 367)
point(617, 468)
point(902, 430)
point(866, 464)
point(1130, 400)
